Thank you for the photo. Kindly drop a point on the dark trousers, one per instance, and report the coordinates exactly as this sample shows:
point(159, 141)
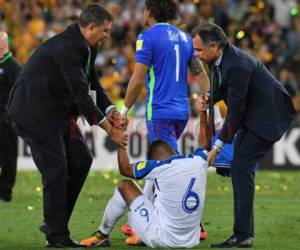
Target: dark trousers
point(248, 150)
point(8, 158)
point(63, 160)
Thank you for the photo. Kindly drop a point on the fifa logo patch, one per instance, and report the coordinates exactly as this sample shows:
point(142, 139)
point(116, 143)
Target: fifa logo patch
point(139, 45)
point(141, 165)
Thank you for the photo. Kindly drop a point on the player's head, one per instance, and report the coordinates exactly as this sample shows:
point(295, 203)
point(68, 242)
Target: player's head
point(160, 150)
point(209, 40)
point(160, 11)
point(3, 43)
point(95, 23)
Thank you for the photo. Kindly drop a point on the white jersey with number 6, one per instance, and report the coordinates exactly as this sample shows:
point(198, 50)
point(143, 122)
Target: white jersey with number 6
point(180, 184)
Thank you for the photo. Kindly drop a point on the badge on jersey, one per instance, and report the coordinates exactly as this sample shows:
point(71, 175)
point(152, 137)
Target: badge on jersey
point(141, 165)
point(143, 168)
point(139, 45)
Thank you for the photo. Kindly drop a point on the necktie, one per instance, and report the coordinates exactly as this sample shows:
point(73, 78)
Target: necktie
point(88, 64)
point(217, 82)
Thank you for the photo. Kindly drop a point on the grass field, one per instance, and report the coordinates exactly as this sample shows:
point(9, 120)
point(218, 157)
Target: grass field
point(277, 211)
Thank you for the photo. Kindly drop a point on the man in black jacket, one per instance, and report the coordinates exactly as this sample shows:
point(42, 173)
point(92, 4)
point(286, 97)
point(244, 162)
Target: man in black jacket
point(259, 112)
point(9, 70)
point(57, 84)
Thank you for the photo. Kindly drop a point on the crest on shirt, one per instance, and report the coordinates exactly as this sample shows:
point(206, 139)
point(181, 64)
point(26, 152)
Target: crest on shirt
point(141, 165)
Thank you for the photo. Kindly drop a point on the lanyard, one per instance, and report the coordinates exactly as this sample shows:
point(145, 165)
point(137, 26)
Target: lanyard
point(6, 57)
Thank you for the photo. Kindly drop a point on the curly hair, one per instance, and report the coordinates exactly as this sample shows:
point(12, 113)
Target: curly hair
point(162, 10)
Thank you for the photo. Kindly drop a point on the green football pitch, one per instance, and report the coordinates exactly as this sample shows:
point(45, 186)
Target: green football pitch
point(277, 211)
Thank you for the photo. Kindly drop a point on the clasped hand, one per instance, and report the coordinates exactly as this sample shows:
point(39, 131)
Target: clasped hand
point(202, 103)
point(118, 131)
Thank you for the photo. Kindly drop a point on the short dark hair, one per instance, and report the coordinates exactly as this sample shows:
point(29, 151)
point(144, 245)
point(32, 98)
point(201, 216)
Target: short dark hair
point(157, 145)
point(209, 33)
point(162, 10)
point(94, 13)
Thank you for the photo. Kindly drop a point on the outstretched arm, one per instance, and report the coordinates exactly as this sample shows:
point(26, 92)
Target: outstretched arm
point(126, 169)
point(136, 84)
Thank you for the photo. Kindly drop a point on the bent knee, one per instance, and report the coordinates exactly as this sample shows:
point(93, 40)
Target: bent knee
point(125, 185)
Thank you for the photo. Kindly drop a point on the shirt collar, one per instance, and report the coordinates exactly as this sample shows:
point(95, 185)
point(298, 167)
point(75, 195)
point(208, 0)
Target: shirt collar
point(218, 61)
point(162, 23)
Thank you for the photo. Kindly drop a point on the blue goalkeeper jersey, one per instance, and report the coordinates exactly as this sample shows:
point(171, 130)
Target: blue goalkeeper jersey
point(166, 50)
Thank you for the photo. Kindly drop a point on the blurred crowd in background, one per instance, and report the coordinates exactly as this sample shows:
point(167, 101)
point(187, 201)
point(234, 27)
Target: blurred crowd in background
point(268, 29)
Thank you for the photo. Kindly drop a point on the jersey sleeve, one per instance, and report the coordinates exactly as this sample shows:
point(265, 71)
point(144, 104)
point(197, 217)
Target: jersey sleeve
point(201, 159)
point(142, 168)
point(201, 152)
point(143, 50)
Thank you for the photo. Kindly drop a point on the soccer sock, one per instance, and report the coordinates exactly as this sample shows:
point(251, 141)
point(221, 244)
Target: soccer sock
point(148, 192)
point(115, 208)
point(129, 219)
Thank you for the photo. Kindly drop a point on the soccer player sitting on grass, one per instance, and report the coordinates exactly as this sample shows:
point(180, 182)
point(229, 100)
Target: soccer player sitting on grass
point(164, 56)
point(173, 219)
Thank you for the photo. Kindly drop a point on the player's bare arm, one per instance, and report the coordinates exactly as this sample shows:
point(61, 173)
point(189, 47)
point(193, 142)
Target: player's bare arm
point(197, 69)
point(136, 83)
point(196, 66)
point(125, 168)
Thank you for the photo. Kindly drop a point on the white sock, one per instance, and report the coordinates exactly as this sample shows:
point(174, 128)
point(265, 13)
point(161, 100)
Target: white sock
point(149, 193)
point(129, 218)
point(115, 208)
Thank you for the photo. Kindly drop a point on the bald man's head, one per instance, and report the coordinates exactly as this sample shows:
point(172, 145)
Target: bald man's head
point(3, 43)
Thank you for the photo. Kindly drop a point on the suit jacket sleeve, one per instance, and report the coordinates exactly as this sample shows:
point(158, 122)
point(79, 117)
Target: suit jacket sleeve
point(237, 81)
point(103, 102)
point(15, 70)
point(72, 62)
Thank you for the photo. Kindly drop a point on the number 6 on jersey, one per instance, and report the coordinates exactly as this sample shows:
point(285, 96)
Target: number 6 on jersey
point(189, 198)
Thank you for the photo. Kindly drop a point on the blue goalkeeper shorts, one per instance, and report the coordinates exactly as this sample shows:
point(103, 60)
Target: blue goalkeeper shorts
point(167, 130)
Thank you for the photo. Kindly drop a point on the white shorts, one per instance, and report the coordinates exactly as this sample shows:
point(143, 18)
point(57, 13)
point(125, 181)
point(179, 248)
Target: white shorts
point(144, 222)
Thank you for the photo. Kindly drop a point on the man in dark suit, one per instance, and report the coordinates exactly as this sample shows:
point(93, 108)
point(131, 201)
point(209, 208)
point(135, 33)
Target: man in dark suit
point(57, 84)
point(9, 70)
point(259, 112)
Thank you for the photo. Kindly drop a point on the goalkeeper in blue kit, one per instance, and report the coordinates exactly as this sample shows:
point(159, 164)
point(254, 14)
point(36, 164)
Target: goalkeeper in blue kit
point(164, 54)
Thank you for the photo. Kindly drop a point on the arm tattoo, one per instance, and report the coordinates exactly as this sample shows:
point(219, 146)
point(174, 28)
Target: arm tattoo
point(196, 66)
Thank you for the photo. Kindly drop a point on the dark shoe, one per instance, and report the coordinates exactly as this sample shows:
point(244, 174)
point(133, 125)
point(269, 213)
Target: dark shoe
point(64, 243)
point(5, 198)
point(43, 228)
point(233, 241)
point(97, 239)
